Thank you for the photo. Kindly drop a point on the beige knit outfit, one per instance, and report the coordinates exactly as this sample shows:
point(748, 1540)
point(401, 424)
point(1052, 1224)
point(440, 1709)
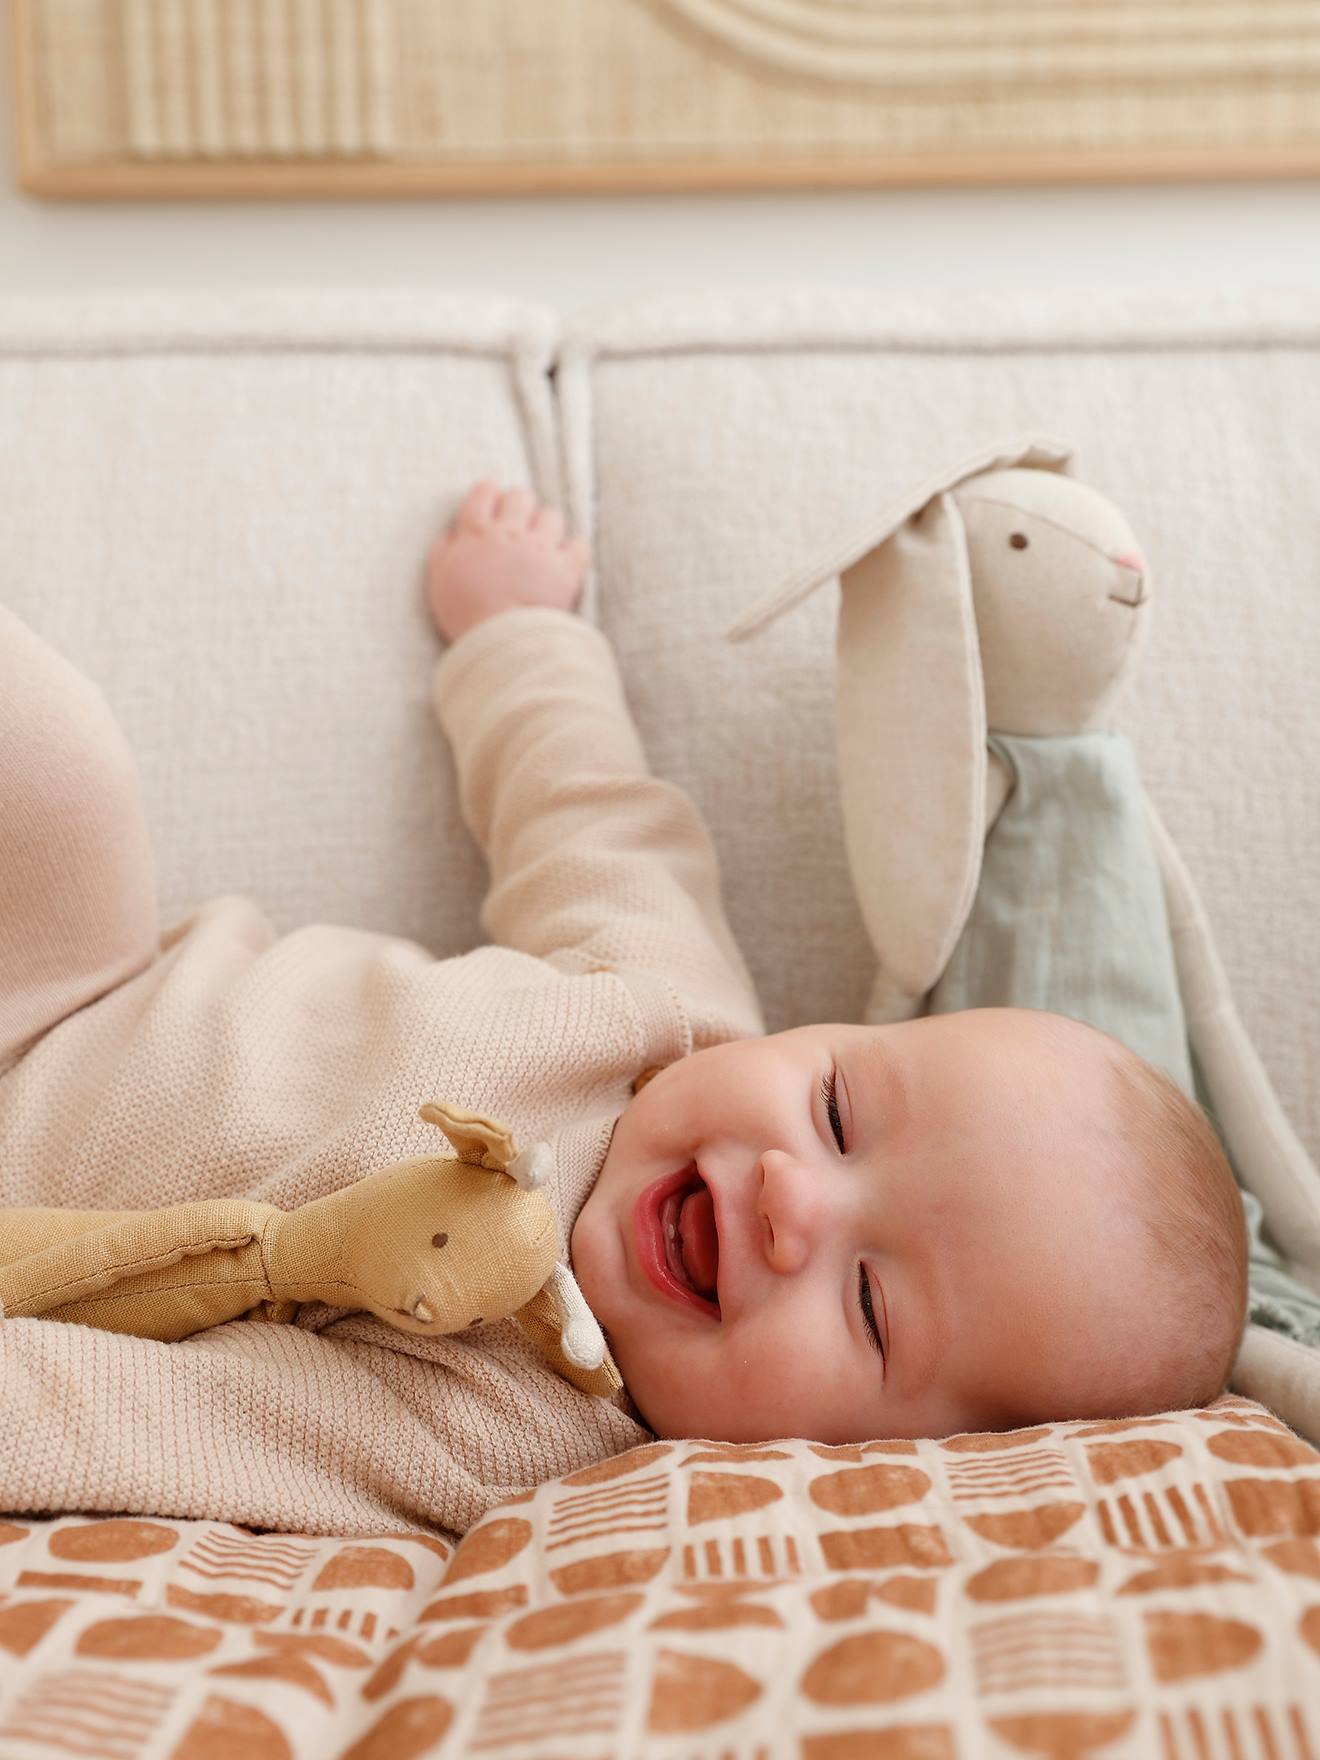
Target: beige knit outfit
point(216, 1059)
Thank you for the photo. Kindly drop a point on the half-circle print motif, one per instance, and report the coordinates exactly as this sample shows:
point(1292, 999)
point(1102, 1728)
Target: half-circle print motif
point(985, 43)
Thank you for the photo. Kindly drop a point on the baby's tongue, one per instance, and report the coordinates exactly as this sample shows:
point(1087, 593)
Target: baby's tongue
point(701, 1242)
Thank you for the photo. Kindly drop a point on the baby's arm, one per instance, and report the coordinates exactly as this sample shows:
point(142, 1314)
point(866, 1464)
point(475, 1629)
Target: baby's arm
point(595, 864)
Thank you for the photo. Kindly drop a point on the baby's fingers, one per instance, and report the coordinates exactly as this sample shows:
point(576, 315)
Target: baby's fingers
point(516, 507)
point(478, 508)
point(577, 550)
point(548, 522)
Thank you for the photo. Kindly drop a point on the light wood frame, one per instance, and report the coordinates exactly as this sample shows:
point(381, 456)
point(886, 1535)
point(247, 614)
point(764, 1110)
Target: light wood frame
point(283, 179)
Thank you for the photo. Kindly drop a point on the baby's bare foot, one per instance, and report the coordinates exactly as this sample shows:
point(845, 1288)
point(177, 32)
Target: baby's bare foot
point(503, 551)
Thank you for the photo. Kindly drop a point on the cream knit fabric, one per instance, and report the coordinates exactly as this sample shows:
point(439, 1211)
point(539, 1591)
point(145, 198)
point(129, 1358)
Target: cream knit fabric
point(238, 1062)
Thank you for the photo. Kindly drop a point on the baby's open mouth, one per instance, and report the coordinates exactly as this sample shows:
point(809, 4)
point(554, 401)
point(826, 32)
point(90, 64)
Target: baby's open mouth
point(676, 1241)
point(690, 1238)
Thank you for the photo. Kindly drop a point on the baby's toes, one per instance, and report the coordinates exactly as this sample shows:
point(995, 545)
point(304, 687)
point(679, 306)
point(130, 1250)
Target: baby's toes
point(516, 508)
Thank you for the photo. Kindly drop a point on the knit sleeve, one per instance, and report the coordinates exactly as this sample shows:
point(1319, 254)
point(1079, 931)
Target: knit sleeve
point(275, 1426)
point(595, 864)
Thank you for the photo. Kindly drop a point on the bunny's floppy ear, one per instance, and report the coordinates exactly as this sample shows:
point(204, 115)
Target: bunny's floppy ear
point(1032, 451)
point(911, 716)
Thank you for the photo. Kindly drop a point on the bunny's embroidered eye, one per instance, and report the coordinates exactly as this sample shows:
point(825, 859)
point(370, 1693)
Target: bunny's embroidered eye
point(1019, 540)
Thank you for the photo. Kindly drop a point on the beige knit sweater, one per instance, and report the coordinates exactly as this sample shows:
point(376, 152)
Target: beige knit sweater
point(241, 1063)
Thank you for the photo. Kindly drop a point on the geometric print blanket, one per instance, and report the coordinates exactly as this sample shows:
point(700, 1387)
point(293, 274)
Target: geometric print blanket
point(1147, 1587)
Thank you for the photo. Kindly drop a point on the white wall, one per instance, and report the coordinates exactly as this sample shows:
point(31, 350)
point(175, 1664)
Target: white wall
point(573, 252)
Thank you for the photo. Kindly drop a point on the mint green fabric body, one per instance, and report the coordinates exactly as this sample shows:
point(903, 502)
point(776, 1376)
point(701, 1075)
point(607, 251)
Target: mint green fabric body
point(1070, 916)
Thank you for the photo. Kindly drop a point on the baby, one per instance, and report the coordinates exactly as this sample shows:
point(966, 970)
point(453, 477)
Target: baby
point(839, 1232)
point(970, 1221)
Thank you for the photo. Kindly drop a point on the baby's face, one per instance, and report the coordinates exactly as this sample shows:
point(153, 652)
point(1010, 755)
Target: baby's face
point(1004, 1269)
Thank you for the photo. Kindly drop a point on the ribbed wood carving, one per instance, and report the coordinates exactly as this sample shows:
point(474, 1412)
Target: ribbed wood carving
point(140, 97)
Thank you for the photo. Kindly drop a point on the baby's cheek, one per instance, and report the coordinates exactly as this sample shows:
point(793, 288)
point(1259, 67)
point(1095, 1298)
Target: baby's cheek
point(663, 1385)
point(694, 1394)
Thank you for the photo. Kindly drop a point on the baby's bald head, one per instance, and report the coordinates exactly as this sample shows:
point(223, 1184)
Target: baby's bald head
point(1169, 1161)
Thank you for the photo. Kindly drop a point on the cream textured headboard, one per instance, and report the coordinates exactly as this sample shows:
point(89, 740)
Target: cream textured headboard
point(219, 506)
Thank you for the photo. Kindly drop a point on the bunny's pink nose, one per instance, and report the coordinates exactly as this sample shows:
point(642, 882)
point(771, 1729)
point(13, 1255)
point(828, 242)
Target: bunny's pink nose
point(1132, 559)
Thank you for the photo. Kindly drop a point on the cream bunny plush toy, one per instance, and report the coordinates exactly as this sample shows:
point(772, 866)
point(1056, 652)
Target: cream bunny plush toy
point(434, 1244)
point(954, 621)
point(1001, 845)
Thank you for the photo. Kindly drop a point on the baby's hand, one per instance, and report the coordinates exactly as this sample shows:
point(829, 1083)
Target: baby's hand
point(502, 551)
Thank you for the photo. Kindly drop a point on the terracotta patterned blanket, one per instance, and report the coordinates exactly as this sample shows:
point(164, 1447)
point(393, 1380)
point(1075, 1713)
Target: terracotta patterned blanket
point(1148, 1587)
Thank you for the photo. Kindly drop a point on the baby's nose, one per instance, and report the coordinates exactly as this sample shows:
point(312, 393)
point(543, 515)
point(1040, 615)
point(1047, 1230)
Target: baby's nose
point(786, 1215)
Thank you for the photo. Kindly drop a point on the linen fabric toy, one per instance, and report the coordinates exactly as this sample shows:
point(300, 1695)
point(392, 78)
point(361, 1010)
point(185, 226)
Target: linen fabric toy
point(433, 1244)
point(1002, 848)
point(946, 630)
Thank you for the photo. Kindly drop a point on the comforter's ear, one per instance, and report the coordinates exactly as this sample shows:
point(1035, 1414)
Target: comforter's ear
point(482, 1141)
point(564, 1330)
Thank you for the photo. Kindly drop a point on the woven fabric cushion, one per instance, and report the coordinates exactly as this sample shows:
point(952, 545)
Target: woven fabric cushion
point(1113, 1588)
point(715, 445)
point(220, 507)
